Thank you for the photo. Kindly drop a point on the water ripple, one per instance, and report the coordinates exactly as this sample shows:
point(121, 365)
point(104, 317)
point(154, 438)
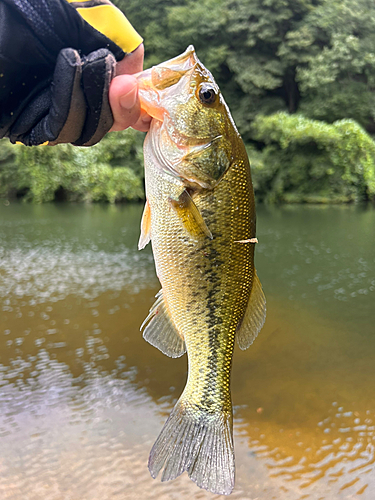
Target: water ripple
point(340, 453)
point(46, 273)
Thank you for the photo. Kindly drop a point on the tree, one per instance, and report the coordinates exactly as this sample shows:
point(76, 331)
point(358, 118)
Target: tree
point(267, 44)
point(338, 80)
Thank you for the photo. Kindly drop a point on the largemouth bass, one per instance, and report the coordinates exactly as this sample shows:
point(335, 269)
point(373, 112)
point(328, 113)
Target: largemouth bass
point(200, 217)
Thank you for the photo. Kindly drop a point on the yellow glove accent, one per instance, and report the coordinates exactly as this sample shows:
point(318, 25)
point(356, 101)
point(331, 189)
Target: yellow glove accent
point(43, 144)
point(110, 21)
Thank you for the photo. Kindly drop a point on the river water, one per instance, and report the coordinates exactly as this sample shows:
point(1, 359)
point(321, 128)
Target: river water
point(83, 396)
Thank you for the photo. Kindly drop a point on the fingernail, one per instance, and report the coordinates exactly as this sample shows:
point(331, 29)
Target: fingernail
point(128, 100)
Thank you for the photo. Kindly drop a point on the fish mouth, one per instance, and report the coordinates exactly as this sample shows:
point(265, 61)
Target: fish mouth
point(180, 64)
point(153, 83)
point(154, 87)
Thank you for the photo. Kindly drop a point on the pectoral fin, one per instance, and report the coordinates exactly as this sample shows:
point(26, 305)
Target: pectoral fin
point(190, 216)
point(160, 331)
point(255, 316)
point(145, 236)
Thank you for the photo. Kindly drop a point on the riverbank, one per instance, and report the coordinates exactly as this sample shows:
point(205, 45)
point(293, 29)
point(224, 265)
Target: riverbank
point(293, 160)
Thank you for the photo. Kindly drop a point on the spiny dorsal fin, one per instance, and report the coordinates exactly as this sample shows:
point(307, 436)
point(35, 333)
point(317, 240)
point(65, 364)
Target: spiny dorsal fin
point(190, 216)
point(160, 331)
point(145, 236)
point(255, 316)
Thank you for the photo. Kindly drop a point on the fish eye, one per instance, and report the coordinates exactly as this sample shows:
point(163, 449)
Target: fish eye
point(207, 94)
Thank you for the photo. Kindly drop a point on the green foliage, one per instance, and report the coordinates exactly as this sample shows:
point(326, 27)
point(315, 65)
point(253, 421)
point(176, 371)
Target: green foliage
point(339, 100)
point(309, 160)
point(338, 79)
point(170, 26)
point(8, 169)
point(110, 171)
point(268, 43)
point(311, 57)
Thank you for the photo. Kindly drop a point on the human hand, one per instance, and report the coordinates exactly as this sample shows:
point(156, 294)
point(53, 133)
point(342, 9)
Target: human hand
point(123, 94)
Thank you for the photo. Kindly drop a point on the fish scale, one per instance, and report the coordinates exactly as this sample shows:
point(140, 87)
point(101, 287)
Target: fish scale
point(219, 300)
point(200, 216)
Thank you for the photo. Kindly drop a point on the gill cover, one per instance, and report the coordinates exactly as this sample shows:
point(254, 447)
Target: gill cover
point(191, 120)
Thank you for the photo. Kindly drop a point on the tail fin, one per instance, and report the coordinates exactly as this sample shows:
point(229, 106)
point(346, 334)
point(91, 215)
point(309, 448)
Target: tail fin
point(201, 444)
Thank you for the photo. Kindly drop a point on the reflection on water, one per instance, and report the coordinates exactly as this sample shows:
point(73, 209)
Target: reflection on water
point(83, 397)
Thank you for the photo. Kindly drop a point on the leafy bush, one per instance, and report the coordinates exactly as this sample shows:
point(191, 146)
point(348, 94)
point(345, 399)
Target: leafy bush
point(307, 160)
point(8, 168)
point(297, 160)
point(110, 171)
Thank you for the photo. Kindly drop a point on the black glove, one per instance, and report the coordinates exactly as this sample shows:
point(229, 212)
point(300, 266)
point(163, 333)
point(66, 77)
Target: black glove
point(74, 107)
point(55, 71)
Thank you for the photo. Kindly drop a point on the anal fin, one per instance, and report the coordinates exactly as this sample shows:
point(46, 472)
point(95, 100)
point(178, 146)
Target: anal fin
point(254, 317)
point(190, 216)
point(160, 331)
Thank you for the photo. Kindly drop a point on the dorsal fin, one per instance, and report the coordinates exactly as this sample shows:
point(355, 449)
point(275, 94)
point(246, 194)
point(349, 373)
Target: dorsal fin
point(190, 216)
point(254, 317)
point(160, 331)
point(145, 236)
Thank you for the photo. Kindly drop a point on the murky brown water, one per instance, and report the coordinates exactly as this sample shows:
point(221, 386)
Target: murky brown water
point(83, 396)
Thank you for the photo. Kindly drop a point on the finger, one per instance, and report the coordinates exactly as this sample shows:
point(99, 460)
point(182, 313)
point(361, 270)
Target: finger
point(132, 63)
point(124, 101)
point(143, 122)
